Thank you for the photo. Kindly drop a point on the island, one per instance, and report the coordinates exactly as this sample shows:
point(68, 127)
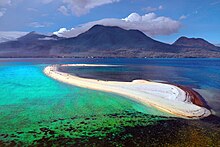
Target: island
point(177, 100)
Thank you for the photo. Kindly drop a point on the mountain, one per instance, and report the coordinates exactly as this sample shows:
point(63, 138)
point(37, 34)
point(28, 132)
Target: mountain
point(32, 36)
point(114, 37)
point(198, 47)
point(106, 41)
point(193, 42)
point(106, 38)
point(29, 45)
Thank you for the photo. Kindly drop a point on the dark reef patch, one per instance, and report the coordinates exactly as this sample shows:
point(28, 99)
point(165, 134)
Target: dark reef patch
point(131, 129)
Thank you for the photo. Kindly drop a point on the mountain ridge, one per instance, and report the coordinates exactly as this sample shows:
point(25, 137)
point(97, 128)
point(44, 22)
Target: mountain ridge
point(107, 41)
point(196, 42)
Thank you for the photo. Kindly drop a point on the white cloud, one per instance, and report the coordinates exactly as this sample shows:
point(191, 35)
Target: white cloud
point(215, 3)
point(46, 1)
point(47, 38)
point(152, 9)
point(40, 25)
point(182, 17)
point(81, 7)
point(2, 11)
point(61, 31)
point(8, 36)
point(150, 24)
point(5, 2)
point(32, 9)
point(63, 10)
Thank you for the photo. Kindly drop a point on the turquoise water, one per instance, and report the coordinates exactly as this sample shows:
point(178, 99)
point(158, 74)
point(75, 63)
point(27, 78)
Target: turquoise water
point(37, 110)
point(30, 100)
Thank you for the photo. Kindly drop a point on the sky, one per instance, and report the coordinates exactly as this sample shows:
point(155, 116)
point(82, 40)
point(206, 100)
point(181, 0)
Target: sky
point(163, 20)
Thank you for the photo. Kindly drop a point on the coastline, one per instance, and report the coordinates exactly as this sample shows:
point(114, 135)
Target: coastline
point(173, 99)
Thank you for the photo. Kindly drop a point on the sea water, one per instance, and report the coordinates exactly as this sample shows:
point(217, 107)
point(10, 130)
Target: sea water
point(36, 109)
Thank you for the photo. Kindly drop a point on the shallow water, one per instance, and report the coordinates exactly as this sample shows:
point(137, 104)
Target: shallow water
point(37, 110)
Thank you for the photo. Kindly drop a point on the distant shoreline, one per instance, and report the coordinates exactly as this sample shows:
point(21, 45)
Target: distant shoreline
point(42, 57)
point(166, 97)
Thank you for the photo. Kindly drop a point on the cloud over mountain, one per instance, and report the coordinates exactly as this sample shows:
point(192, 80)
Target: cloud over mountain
point(150, 24)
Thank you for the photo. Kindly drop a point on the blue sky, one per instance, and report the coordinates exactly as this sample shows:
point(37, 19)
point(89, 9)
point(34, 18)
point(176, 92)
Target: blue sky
point(191, 18)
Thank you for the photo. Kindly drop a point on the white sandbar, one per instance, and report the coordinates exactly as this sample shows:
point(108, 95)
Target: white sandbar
point(165, 97)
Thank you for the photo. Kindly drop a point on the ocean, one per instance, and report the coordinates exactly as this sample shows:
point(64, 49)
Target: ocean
point(37, 110)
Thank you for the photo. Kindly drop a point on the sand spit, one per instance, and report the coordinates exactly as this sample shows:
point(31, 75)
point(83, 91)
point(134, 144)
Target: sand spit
point(166, 97)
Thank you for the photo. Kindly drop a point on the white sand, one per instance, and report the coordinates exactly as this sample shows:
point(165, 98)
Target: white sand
point(165, 97)
point(90, 65)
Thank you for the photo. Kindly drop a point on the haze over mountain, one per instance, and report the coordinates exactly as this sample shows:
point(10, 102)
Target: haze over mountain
point(106, 41)
point(218, 45)
point(9, 36)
